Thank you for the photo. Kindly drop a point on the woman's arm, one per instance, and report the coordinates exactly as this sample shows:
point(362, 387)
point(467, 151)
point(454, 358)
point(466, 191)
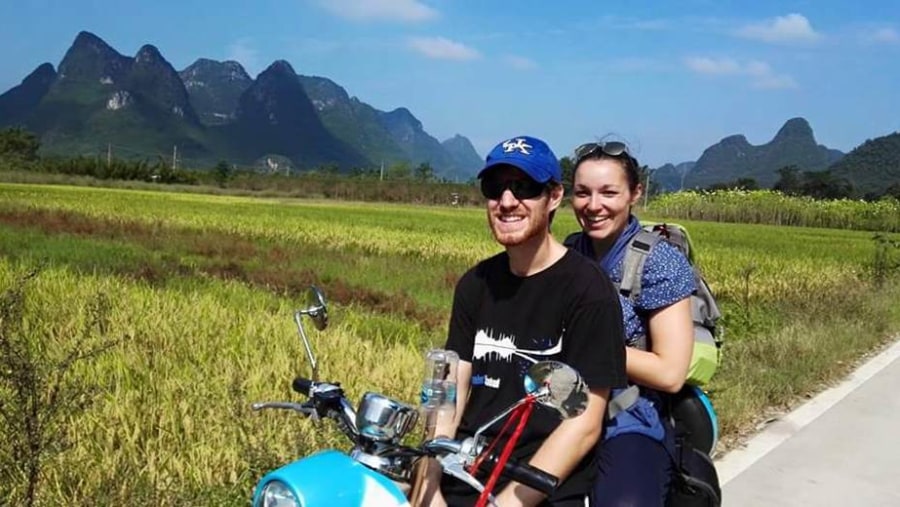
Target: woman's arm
point(664, 367)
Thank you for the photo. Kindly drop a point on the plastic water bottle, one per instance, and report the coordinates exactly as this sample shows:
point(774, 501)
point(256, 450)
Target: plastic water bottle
point(439, 386)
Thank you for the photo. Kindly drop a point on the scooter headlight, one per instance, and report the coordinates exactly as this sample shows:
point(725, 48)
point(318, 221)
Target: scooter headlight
point(384, 420)
point(277, 494)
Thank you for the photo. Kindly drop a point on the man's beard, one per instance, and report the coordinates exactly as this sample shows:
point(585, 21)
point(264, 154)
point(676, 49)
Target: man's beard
point(537, 223)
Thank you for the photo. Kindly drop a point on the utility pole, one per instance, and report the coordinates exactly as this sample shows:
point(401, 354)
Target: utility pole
point(647, 188)
point(108, 155)
point(381, 178)
point(174, 156)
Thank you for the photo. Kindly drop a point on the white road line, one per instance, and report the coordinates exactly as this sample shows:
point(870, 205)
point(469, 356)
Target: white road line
point(736, 461)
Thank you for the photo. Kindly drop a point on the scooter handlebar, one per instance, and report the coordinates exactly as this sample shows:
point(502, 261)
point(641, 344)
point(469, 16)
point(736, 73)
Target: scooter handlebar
point(302, 385)
point(524, 473)
point(528, 475)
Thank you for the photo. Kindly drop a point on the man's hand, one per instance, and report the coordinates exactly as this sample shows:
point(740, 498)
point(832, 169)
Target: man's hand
point(431, 496)
point(519, 495)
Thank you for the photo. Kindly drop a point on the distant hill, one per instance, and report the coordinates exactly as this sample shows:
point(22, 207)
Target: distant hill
point(141, 107)
point(670, 178)
point(407, 131)
point(355, 122)
point(19, 101)
point(464, 154)
point(872, 166)
point(215, 89)
point(100, 97)
point(274, 116)
point(733, 157)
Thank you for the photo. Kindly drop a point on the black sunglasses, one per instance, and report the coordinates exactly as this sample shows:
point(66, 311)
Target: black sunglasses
point(612, 149)
point(526, 188)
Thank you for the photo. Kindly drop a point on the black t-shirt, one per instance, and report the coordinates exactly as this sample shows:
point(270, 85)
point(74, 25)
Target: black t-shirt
point(503, 323)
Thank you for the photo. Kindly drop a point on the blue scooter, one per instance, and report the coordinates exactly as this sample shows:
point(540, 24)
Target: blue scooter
point(379, 470)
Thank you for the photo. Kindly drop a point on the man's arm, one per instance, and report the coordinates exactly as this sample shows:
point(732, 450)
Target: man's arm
point(562, 450)
point(446, 426)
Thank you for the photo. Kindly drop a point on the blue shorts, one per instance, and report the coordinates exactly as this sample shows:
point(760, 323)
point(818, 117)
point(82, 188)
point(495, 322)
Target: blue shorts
point(633, 470)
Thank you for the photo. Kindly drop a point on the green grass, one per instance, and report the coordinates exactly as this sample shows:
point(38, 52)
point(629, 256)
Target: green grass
point(171, 414)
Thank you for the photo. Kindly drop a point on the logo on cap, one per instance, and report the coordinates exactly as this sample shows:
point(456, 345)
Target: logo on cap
point(517, 144)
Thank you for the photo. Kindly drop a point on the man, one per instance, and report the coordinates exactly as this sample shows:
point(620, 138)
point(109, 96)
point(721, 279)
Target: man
point(534, 301)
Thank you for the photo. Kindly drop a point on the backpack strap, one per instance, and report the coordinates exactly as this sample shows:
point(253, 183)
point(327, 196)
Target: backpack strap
point(636, 254)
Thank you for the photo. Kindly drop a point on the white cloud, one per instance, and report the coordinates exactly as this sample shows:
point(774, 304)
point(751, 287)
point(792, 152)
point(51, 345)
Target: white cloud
point(765, 78)
point(520, 62)
point(790, 28)
point(440, 48)
point(774, 82)
point(885, 36)
point(380, 10)
point(758, 68)
point(243, 52)
point(761, 74)
point(713, 66)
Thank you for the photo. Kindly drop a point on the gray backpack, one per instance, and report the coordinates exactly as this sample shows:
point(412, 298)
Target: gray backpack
point(705, 311)
point(690, 411)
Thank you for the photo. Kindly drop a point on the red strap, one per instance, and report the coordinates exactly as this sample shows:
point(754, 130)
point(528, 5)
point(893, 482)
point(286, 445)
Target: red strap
point(487, 452)
point(522, 412)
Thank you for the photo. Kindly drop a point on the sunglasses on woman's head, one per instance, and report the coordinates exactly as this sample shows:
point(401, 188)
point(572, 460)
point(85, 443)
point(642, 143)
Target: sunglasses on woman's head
point(526, 188)
point(612, 149)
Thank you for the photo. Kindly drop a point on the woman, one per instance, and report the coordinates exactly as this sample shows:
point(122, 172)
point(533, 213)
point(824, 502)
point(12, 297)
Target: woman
point(635, 464)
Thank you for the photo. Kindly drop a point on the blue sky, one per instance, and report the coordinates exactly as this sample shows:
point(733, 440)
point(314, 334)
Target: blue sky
point(668, 77)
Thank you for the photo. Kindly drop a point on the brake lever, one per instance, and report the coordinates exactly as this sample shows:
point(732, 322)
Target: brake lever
point(304, 409)
point(454, 465)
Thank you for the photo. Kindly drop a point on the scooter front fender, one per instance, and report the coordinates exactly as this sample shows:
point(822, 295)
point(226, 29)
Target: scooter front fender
point(333, 479)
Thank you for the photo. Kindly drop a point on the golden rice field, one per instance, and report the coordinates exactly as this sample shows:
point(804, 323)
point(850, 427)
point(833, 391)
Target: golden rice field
point(199, 291)
point(772, 207)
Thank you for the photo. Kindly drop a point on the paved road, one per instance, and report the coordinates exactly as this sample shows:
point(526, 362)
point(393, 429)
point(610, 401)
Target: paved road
point(841, 448)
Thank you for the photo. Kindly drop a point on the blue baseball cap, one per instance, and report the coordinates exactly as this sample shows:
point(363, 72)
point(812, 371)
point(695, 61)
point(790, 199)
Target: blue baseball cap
point(529, 154)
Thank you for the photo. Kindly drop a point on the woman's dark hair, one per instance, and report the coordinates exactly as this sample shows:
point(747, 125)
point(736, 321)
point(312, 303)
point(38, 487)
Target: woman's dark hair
point(613, 150)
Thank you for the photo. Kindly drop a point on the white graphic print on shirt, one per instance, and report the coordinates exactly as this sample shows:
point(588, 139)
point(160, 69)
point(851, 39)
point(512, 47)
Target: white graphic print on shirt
point(490, 349)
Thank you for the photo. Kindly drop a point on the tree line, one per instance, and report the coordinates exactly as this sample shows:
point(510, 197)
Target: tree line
point(815, 184)
point(397, 182)
point(19, 149)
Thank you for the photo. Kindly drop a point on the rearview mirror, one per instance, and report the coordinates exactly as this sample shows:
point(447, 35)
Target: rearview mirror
point(316, 308)
point(550, 383)
point(559, 386)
